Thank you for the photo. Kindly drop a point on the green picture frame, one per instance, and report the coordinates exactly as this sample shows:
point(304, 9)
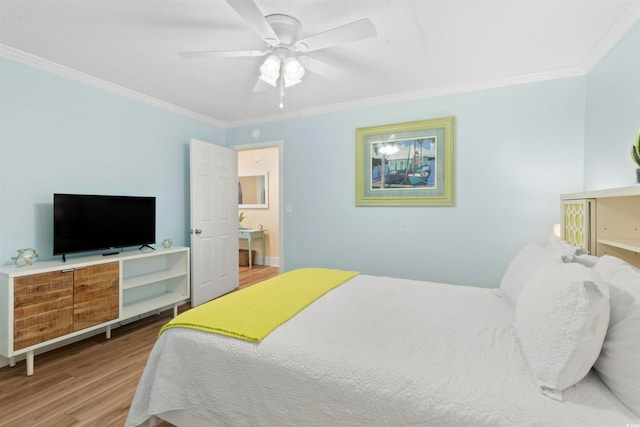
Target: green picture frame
point(406, 164)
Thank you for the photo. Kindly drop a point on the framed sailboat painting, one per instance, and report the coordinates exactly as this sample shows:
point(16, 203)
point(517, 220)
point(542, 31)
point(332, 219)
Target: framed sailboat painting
point(406, 164)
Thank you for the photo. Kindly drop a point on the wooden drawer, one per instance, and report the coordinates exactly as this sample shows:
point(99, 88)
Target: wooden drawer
point(96, 295)
point(43, 308)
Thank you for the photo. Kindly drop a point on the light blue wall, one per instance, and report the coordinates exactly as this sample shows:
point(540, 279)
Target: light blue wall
point(59, 135)
point(613, 115)
point(517, 150)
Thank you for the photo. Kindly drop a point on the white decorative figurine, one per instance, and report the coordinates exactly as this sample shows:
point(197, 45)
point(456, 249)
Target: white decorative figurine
point(25, 257)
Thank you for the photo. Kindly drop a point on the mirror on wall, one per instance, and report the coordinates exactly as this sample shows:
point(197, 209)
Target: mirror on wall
point(253, 191)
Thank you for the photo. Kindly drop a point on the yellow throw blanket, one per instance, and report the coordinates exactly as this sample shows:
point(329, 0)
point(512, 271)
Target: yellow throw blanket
point(254, 312)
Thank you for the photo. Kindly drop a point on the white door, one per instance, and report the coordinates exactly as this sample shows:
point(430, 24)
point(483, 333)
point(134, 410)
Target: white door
point(214, 221)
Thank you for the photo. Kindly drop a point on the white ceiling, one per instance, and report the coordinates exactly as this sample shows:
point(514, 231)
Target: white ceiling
point(423, 48)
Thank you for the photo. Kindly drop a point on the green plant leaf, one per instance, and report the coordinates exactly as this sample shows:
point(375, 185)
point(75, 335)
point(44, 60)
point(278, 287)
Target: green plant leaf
point(635, 154)
point(635, 149)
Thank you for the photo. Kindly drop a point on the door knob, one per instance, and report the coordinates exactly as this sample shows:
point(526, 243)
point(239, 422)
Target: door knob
point(198, 231)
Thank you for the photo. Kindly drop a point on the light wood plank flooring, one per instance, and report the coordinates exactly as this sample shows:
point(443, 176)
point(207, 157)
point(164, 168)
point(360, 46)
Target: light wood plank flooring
point(91, 382)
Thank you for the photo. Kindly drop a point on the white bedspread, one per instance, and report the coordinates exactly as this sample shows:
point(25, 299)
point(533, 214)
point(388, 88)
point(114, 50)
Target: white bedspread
point(373, 352)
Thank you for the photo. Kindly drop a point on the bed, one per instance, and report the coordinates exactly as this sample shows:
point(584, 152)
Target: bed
point(381, 351)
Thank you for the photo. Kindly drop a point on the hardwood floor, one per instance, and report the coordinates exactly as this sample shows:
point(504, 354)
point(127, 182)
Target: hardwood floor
point(91, 382)
point(250, 276)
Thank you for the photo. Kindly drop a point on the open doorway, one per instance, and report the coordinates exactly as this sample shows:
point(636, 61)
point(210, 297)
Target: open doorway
point(259, 190)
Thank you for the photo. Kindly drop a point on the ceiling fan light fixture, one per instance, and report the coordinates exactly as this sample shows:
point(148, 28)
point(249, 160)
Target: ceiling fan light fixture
point(270, 70)
point(293, 71)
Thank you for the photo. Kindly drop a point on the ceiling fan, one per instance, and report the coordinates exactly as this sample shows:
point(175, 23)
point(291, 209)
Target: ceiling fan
point(286, 52)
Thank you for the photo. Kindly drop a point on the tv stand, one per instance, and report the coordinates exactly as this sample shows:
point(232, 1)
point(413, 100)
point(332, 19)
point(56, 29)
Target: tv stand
point(86, 296)
point(111, 253)
point(147, 246)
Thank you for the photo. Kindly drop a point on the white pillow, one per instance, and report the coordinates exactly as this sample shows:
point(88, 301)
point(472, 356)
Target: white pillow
point(607, 266)
point(561, 320)
point(529, 260)
point(619, 362)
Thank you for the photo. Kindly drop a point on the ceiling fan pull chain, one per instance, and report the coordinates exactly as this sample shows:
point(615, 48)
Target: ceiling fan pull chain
point(281, 90)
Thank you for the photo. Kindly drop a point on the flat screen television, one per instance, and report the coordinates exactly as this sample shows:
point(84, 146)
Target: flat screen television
point(84, 222)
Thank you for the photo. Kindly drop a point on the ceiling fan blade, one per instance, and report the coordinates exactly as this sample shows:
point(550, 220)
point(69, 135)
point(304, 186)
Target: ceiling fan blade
point(358, 30)
point(249, 11)
point(221, 53)
point(261, 86)
point(323, 69)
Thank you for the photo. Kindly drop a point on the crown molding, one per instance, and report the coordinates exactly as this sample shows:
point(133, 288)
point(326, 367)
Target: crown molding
point(51, 67)
point(417, 94)
point(628, 19)
point(61, 70)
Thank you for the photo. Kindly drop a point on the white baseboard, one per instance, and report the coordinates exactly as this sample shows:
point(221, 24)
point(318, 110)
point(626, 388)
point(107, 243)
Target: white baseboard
point(270, 261)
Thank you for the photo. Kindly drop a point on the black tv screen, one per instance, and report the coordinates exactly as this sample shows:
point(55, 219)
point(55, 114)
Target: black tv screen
point(83, 222)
